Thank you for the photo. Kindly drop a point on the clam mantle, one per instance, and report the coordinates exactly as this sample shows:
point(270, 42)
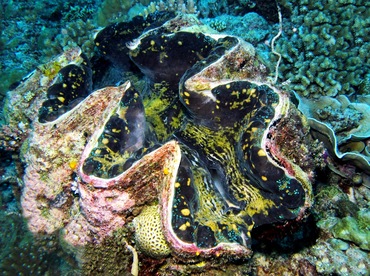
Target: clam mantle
point(207, 141)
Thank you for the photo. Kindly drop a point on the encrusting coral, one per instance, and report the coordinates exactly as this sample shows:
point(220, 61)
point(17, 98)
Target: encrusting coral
point(148, 233)
point(355, 229)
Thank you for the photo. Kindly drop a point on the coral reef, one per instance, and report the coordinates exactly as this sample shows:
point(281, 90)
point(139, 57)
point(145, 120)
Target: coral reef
point(343, 222)
point(22, 253)
point(280, 265)
point(111, 11)
point(110, 257)
point(355, 229)
point(77, 33)
point(172, 6)
point(252, 27)
point(213, 8)
point(196, 168)
point(325, 47)
point(326, 62)
point(342, 261)
point(29, 31)
point(204, 142)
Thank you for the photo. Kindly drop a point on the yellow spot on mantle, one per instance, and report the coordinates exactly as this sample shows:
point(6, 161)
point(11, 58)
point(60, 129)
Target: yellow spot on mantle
point(105, 141)
point(166, 171)
point(264, 178)
point(184, 226)
point(261, 152)
point(185, 212)
point(115, 130)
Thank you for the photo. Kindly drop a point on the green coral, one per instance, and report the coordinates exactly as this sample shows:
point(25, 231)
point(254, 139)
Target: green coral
point(148, 233)
point(111, 11)
point(325, 47)
point(364, 88)
point(110, 257)
point(76, 33)
point(218, 25)
point(334, 259)
point(354, 229)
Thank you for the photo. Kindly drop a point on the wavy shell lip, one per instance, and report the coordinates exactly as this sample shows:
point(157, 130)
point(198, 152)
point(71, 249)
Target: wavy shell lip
point(167, 152)
point(98, 182)
point(271, 149)
point(274, 156)
point(59, 142)
point(234, 60)
point(24, 101)
point(191, 249)
point(217, 73)
point(102, 199)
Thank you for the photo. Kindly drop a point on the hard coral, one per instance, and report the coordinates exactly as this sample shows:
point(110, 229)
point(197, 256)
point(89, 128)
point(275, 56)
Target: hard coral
point(355, 229)
point(321, 47)
point(148, 233)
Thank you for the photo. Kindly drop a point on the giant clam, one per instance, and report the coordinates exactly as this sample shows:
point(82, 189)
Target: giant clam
point(208, 141)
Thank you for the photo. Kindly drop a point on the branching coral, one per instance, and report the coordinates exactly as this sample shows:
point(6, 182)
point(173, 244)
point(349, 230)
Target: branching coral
point(76, 33)
point(325, 49)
